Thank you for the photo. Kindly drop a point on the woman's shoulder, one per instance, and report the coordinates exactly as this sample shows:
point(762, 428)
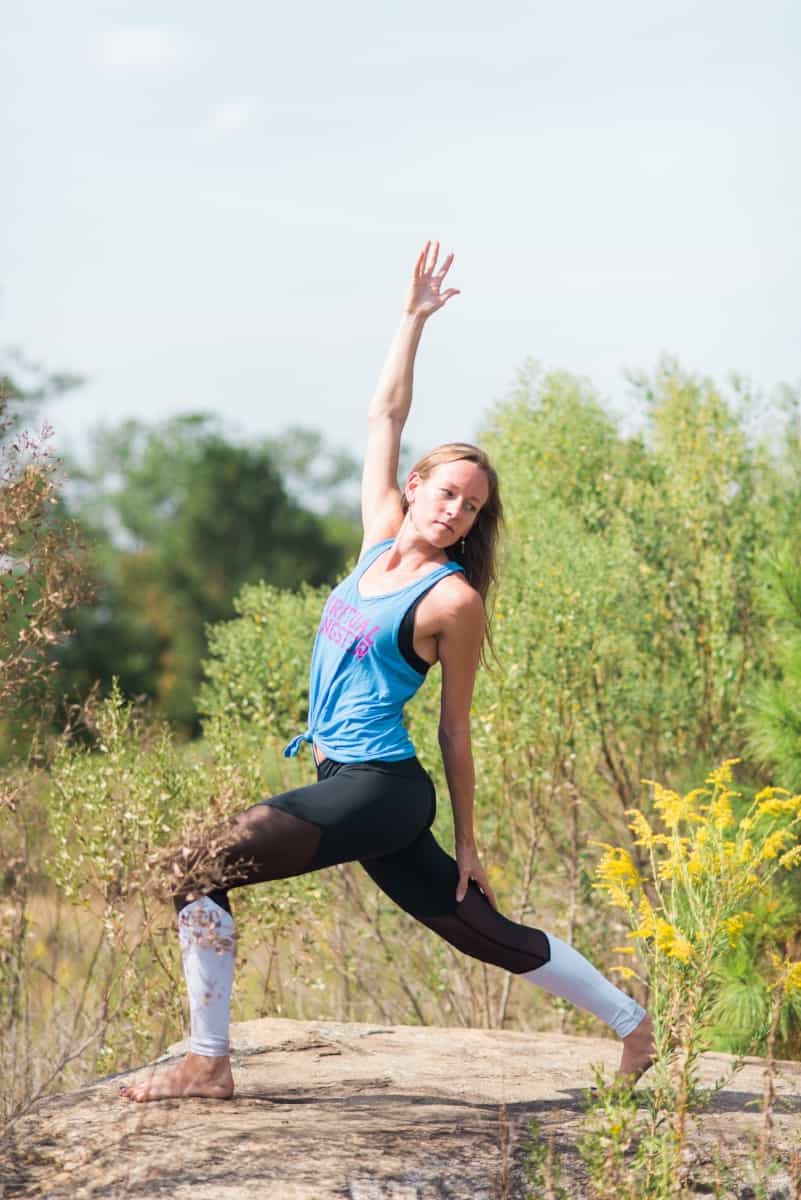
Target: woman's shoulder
point(372, 550)
point(456, 598)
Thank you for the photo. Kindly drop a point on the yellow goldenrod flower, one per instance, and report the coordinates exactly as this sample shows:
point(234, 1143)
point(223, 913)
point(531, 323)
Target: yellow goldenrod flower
point(734, 927)
point(774, 843)
point(773, 807)
point(681, 948)
point(617, 875)
point(618, 897)
point(722, 775)
point(664, 933)
point(674, 808)
point(767, 793)
point(647, 925)
point(719, 810)
point(672, 942)
point(792, 978)
point(770, 808)
point(673, 866)
point(791, 858)
point(746, 851)
point(696, 865)
point(665, 936)
point(703, 838)
point(624, 972)
point(640, 827)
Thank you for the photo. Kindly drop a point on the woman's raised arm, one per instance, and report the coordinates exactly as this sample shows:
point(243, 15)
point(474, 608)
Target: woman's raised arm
point(381, 497)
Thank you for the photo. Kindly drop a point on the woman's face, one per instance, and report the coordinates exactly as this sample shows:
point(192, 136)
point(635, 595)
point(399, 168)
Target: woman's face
point(443, 506)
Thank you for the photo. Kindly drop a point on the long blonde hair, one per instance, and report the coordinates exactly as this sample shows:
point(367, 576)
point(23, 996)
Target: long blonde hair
point(480, 556)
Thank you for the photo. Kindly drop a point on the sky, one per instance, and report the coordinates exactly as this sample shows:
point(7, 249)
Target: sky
point(217, 207)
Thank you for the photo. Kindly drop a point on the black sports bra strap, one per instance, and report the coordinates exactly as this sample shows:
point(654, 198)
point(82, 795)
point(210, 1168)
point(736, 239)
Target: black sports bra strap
point(406, 637)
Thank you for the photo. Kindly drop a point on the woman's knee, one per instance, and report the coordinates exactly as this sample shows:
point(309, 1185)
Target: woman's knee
point(218, 895)
point(204, 868)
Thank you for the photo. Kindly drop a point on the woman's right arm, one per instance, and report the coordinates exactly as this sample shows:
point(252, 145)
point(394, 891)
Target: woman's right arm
point(382, 514)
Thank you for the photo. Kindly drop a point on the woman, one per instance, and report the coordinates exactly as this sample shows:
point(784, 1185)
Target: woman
point(415, 597)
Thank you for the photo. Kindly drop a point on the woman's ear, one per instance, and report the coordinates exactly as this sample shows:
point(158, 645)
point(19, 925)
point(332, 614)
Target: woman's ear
point(412, 484)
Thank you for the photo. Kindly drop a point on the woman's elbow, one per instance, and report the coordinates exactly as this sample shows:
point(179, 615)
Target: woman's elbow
point(454, 737)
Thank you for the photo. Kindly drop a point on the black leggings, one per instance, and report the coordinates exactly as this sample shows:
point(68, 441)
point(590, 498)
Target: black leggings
point(379, 814)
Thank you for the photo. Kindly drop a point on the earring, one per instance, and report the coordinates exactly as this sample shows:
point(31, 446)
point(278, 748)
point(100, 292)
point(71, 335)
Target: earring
point(462, 545)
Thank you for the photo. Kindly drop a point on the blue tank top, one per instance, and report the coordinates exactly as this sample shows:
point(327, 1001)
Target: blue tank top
point(359, 680)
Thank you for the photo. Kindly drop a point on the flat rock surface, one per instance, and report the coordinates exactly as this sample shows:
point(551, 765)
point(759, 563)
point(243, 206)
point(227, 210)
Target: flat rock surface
point(362, 1112)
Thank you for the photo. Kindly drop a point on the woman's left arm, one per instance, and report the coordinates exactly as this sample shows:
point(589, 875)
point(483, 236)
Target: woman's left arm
point(458, 647)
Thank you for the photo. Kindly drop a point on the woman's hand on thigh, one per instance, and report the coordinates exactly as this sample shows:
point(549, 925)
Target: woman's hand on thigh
point(470, 867)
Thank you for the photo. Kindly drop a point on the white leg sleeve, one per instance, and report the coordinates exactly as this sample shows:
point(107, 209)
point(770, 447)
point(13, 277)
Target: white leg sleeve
point(571, 976)
point(208, 941)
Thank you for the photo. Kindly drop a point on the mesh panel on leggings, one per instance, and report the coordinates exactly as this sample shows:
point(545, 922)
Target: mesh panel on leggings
point(423, 878)
point(477, 929)
point(379, 813)
point(269, 844)
point(354, 811)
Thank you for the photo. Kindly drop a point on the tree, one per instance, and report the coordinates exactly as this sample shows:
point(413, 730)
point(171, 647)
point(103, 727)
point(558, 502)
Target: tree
point(182, 518)
point(321, 477)
point(25, 385)
point(42, 572)
point(775, 717)
point(626, 628)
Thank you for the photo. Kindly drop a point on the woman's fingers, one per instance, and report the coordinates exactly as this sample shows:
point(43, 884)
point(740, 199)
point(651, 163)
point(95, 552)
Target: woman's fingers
point(479, 876)
point(424, 267)
point(425, 294)
point(488, 892)
point(462, 886)
point(443, 271)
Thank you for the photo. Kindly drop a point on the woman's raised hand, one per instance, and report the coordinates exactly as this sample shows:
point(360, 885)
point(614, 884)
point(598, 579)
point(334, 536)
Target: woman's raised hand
point(425, 292)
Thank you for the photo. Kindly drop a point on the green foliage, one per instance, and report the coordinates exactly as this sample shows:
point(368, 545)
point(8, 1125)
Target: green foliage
point(707, 876)
point(320, 476)
point(628, 1155)
point(626, 626)
point(669, 528)
point(182, 519)
point(217, 512)
point(543, 1170)
point(42, 574)
point(257, 670)
point(775, 719)
point(113, 806)
point(132, 820)
point(702, 908)
point(627, 629)
point(740, 1015)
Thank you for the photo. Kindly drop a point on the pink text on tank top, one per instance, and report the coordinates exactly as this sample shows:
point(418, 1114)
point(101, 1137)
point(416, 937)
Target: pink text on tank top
point(345, 626)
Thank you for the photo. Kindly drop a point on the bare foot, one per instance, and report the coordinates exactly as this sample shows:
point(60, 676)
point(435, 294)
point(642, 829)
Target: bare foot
point(639, 1052)
point(194, 1075)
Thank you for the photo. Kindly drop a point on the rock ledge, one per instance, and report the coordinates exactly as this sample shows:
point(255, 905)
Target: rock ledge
point(325, 1110)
